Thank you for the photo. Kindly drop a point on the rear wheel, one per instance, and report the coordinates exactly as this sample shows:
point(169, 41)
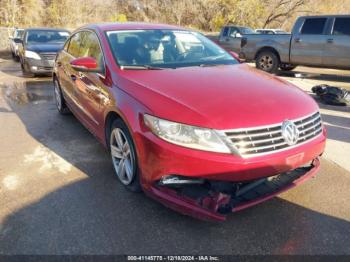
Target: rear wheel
point(59, 99)
point(267, 61)
point(123, 156)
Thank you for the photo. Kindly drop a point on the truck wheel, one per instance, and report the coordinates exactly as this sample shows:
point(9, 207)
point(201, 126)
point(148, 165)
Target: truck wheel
point(287, 67)
point(267, 61)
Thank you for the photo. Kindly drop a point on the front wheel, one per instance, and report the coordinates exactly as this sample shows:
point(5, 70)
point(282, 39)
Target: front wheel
point(25, 69)
point(123, 156)
point(267, 61)
point(60, 102)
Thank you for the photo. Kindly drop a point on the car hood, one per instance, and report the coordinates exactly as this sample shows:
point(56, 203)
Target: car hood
point(220, 97)
point(50, 48)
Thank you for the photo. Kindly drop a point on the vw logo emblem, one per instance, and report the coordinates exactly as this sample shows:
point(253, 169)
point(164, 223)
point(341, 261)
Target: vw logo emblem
point(290, 132)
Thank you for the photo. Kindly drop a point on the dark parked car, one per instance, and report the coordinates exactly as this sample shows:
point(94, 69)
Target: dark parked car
point(184, 120)
point(15, 42)
point(39, 48)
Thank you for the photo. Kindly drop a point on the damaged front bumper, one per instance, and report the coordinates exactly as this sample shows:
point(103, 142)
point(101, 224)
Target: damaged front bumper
point(213, 200)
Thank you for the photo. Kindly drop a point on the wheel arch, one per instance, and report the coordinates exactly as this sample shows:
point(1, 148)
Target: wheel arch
point(267, 48)
point(109, 119)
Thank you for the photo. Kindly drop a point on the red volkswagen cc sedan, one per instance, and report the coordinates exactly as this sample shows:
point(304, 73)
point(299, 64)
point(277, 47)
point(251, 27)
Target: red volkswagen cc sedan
point(184, 120)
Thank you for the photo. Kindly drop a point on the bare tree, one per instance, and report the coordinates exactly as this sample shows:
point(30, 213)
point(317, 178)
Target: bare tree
point(282, 10)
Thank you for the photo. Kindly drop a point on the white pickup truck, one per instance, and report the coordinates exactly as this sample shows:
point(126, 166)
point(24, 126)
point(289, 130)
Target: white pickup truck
point(318, 41)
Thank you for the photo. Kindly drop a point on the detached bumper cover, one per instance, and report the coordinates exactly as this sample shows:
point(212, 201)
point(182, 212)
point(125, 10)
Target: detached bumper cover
point(213, 205)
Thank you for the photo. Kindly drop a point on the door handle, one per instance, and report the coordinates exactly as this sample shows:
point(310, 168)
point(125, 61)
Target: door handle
point(73, 77)
point(330, 40)
point(297, 40)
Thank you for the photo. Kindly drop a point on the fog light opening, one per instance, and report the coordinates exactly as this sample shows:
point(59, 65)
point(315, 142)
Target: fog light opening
point(178, 180)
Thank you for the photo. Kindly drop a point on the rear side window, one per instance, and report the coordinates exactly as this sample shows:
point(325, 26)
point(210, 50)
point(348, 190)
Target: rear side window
point(342, 26)
point(313, 26)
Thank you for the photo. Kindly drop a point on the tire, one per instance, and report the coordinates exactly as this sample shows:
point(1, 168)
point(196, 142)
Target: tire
point(267, 61)
point(287, 67)
point(59, 99)
point(123, 155)
point(15, 57)
point(25, 69)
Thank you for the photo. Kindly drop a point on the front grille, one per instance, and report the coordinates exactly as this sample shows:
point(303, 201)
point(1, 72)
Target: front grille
point(268, 139)
point(48, 56)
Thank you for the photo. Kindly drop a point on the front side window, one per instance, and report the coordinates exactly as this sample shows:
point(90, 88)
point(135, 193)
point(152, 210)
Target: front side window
point(91, 48)
point(75, 44)
point(342, 26)
point(46, 36)
point(234, 31)
point(165, 48)
point(313, 26)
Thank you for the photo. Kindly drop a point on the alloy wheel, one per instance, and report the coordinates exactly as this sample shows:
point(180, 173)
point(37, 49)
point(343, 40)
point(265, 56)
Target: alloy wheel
point(122, 156)
point(266, 62)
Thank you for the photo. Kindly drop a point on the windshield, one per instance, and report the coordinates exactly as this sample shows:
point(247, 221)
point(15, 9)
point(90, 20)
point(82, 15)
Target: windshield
point(281, 32)
point(165, 49)
point(46, 36)
point(247, 31)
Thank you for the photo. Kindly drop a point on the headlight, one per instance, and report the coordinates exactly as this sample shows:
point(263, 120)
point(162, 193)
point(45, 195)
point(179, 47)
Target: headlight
point(187, 136)
point(31, 54)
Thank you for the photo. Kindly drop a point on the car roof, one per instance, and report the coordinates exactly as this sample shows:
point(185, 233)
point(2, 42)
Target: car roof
point(270, 29)
point(128, 26)
point(45, 28)
point(325, 16)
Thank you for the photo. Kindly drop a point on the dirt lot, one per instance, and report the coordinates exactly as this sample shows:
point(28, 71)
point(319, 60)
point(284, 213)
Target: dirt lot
point(58, 194)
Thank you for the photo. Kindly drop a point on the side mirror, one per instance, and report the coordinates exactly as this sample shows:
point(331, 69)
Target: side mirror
point(235, 56)
point(85, 64)
point(17, 40)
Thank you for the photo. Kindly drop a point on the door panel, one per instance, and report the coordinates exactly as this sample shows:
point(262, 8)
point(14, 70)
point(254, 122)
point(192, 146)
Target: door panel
point(89, 85)
point(66, 71)
point(307, 46)
point(229, 41)
point(337, 47)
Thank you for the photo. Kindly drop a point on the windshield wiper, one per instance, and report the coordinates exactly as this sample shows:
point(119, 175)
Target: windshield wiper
point(141, 67)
